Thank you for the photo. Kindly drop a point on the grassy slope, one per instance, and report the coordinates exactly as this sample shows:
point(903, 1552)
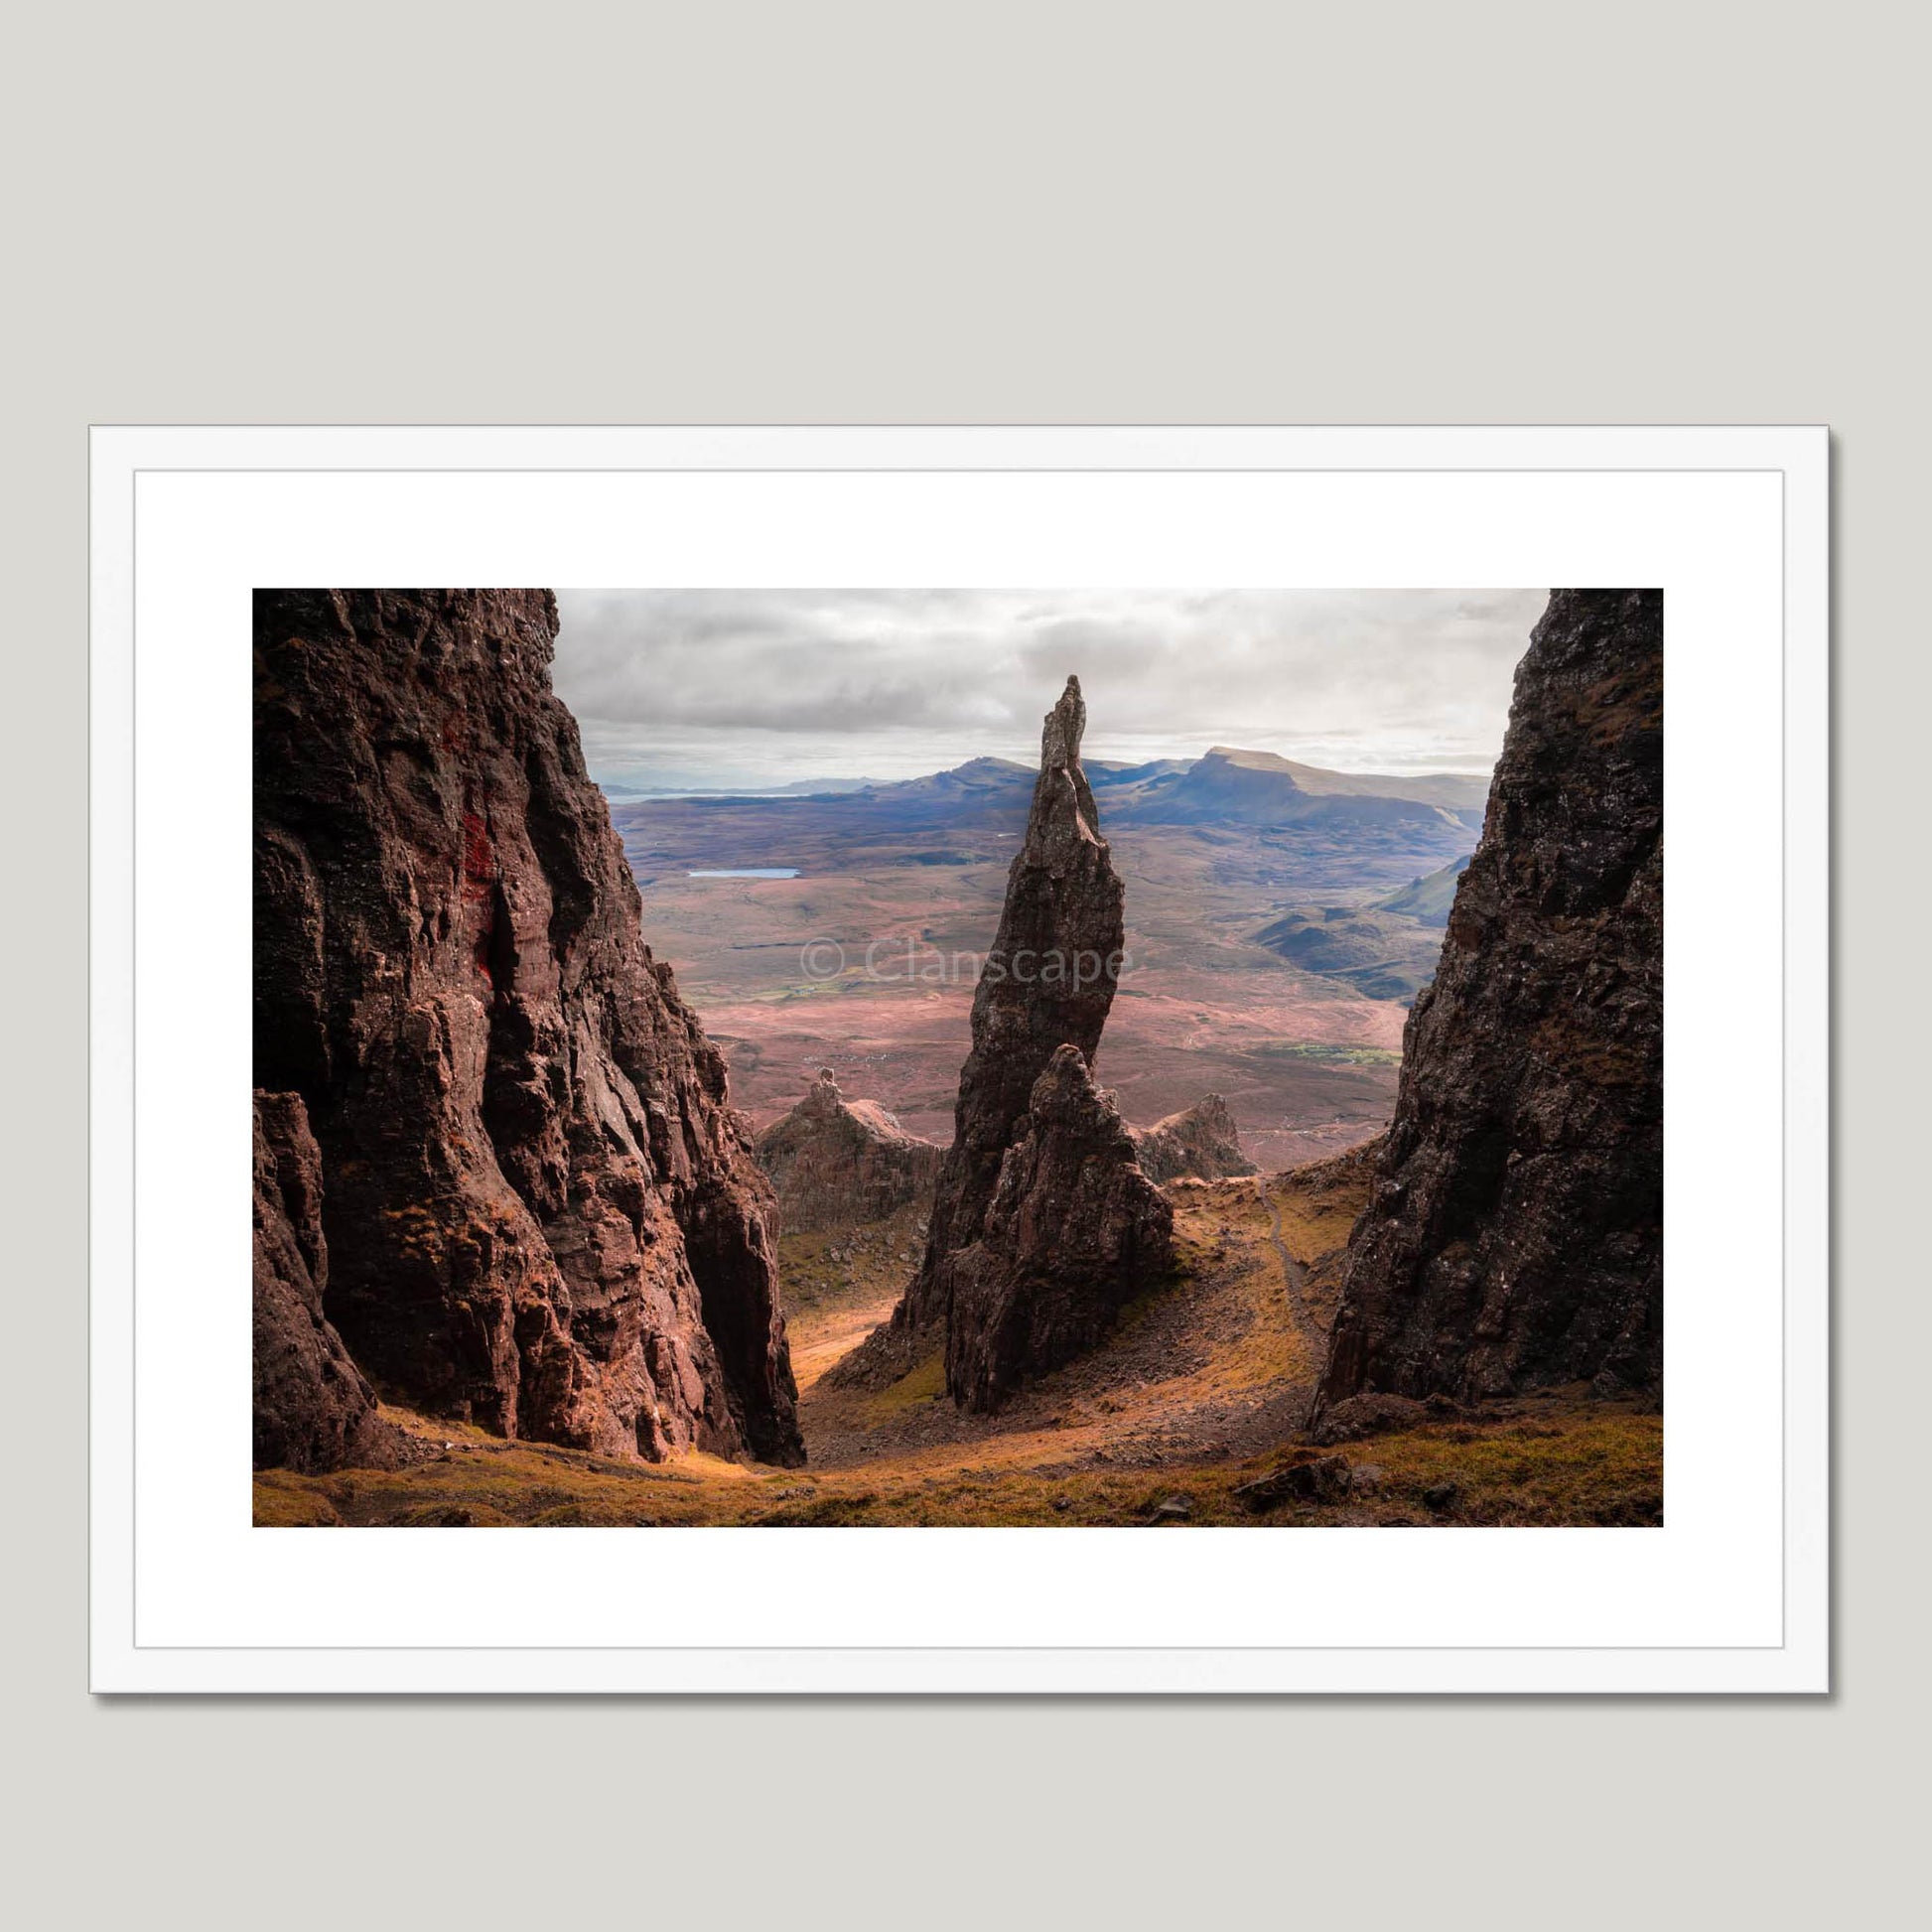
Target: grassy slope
point(1430, 898)
point(1202, 1389)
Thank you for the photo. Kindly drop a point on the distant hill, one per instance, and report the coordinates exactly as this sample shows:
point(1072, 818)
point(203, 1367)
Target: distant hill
point(1453, 791)
point(1386, 955)
point(1430, 898)
point(976, 779)
point(1233, 786)
point(796, 788)
point(1102, 776)
point(826, 788)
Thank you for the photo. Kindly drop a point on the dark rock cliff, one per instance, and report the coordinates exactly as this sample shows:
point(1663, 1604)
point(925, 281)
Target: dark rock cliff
point(1073, 1233)
point(1048, 981)
point(313, 1408)
point(541, 1212)
point(835, 1162)
point(1514, 1238)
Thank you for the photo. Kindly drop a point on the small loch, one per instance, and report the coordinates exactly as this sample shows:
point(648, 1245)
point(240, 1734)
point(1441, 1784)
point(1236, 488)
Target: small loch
point(746, 872)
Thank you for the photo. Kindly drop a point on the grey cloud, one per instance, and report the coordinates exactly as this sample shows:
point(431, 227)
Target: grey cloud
point(766, 685)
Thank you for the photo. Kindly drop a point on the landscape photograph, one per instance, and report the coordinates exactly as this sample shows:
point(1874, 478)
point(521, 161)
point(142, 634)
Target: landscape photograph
point(1061, 1058)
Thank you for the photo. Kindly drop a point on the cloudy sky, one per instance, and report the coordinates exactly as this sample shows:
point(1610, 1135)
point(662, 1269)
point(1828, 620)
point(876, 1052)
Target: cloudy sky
point(723, 688)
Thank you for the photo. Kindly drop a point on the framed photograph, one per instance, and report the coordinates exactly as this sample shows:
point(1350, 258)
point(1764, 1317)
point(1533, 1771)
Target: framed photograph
point(883, 1013)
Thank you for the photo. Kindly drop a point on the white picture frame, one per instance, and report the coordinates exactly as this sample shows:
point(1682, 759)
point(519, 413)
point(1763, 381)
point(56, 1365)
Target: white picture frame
point(1731, 1593)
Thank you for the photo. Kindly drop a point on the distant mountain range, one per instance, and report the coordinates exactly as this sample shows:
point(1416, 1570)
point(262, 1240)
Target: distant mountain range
point(1260, 824)
point(1223, 786)
point(1226, 785)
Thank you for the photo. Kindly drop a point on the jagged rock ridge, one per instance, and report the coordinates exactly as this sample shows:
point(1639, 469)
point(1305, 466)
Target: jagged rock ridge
point(541, 1213)
point(1047, 981)
point(1515, 1235)
point(834, 1161)
point(1202, 1142)
point(1073, 1233)
point(1044, 1225)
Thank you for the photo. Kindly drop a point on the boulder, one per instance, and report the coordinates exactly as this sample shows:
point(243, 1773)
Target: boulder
point(1367, 1415)
point(1316, 1480)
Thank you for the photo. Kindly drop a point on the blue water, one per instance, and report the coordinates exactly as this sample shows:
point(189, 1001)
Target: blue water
point(748, 872)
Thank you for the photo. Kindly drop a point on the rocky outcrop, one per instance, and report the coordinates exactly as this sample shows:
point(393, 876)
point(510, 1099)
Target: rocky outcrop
point(1074, 1231)
point(1048, 981)
point(314, 1410)
point(1514, 1238)
point(1201, 1142)
point(836, 1162)
point(542, 1215)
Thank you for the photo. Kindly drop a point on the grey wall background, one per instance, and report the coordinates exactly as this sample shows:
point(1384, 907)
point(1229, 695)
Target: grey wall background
point(1033, 213)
